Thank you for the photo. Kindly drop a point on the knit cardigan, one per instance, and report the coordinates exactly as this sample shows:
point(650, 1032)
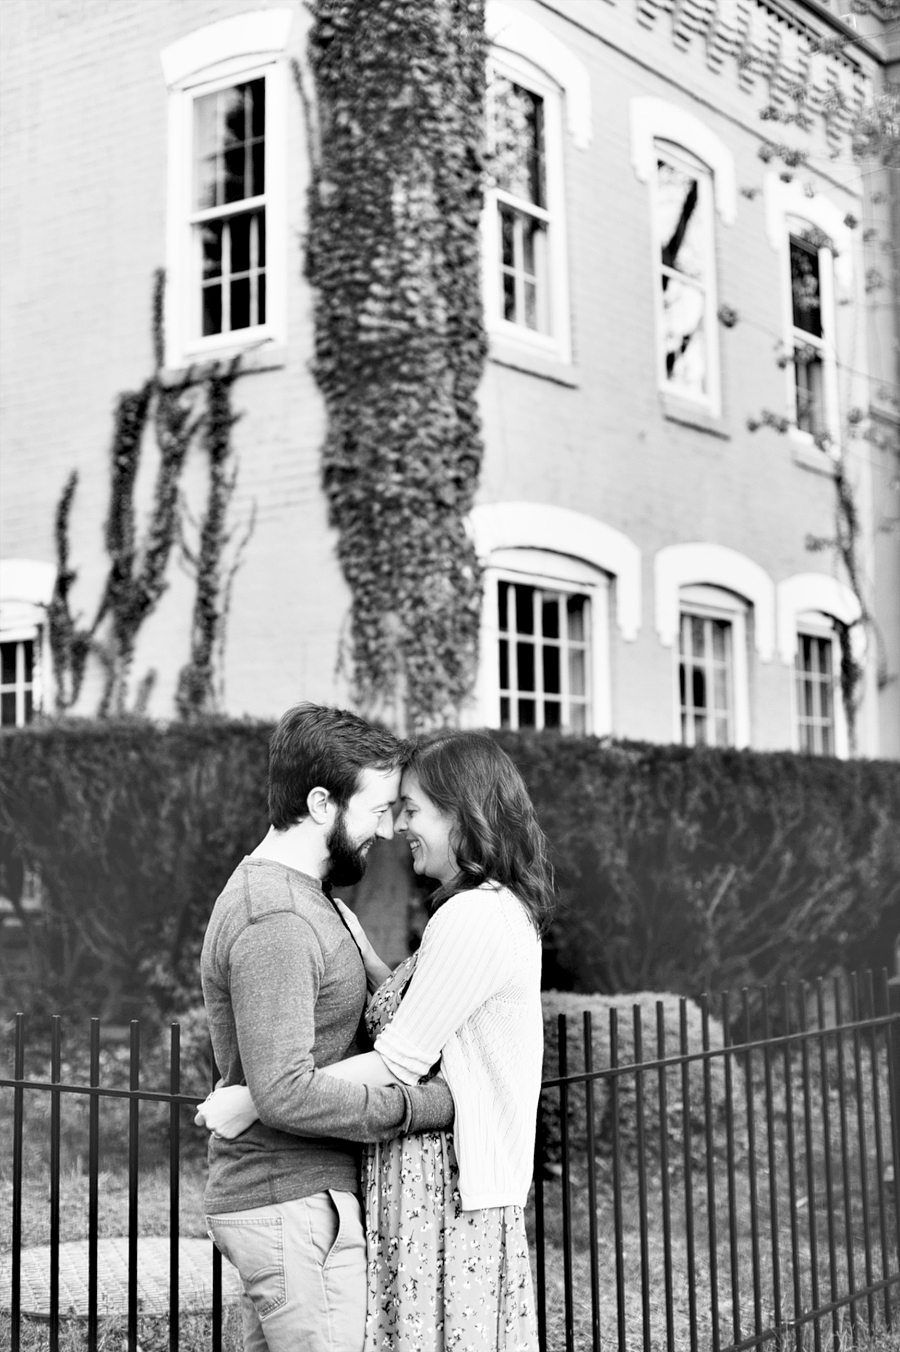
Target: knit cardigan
point(475, 1002)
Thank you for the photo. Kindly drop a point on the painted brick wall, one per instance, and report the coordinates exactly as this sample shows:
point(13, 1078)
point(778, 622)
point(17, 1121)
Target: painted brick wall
point(83, 176)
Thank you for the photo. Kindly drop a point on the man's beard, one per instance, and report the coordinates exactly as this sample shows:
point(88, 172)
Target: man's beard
point(347, 862)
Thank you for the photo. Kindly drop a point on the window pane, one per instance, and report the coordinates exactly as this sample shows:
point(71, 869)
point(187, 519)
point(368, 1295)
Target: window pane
point(28, 647)
point(8, 662)
point(698, 688)
point(504, 664)
point(681, 230)
point(550, 616)
point(575, 611)
point(525, 666)
point(805, 297)
point(509, 298)
point(699, 730)
point(722, 737)
point(721, 687)
point(261, 297)
point(240, 303)
point(577, 671)
point(809, 376)
point(507, 232)
point(552, 714)
point(684, 309)
point(229, 144)
point(698, 645)
point(530, 297)
point(551, 670)
point(211, 245)
point(29, 706)
point(524, 609)
point(720, 630)
point(526, 713)
point(240, 243)
point(517, 140)
point(8, 709)
point(234, 160)
point(578, 719)
point(502, 604)
point(504, 712)
point(212, 310)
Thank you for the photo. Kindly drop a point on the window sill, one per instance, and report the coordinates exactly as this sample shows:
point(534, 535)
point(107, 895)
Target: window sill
point(263, 356)
point(806, 453)
point(690, 415)
point(534, 363)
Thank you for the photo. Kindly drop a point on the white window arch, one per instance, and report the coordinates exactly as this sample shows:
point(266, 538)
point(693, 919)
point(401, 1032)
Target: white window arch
point(815, 253)
point(704, 593)
point(26, 589)
point(226, 235)
point(545, 625)
point(690, 174)
point(808, 606)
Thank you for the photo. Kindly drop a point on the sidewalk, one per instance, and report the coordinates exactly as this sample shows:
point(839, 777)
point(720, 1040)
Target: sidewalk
point(194, 1277)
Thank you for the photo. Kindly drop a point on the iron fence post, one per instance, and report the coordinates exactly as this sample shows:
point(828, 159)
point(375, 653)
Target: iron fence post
point(894, 1042)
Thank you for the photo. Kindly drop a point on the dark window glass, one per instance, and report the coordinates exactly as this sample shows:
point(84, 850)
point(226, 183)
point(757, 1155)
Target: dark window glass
point(805, 295)
point(526, 713)
point(551, 670)
point(525, 609)
point(525, 665)
point(8, 651)
point(8, 709)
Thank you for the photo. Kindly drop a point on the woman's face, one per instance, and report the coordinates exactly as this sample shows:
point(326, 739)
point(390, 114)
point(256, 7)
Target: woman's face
point(427, 830)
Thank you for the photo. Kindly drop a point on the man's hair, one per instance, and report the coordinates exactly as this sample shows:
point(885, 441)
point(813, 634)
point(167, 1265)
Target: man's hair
point(315, 746)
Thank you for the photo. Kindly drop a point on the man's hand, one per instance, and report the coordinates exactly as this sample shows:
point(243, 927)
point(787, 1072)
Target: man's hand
point(228, 1111)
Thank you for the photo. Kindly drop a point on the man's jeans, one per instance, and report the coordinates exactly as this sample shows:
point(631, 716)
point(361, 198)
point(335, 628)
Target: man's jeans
point(303, 1267)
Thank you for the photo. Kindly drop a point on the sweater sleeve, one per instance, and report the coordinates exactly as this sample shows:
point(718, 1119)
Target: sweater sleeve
point(276, 966)
point(464, 960)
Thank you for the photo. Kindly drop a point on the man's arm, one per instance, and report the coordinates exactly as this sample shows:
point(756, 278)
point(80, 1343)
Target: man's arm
point(275, 969)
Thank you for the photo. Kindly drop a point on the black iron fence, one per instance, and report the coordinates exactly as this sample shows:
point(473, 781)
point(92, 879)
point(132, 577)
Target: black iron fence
point(722, 1178)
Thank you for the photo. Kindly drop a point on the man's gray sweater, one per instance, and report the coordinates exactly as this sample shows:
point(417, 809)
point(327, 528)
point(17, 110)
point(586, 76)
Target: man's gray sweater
point(285, 989)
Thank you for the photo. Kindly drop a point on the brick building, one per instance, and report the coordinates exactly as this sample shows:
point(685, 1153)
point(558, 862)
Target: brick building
point(647, 570)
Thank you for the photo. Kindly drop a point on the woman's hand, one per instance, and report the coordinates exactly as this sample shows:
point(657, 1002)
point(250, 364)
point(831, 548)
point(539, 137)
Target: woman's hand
point(228, 1111)
point(376, 970)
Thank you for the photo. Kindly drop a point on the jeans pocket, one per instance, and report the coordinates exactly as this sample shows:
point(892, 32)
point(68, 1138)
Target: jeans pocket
point(255, 1246)
point(350, 1239)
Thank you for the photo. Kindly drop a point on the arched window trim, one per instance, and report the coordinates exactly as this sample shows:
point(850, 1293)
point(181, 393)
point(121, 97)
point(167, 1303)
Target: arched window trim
point(511, 31)
point(678, 566)
point(654, 119)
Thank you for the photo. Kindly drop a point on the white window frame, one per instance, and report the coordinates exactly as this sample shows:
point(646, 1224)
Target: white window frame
point(224, 68)
point(813, 624)
point(552, 572)
point(711, 400)
point(826, 347)
point(557, 343)
point(711, 602)
point(790, 211)
point(26, 634)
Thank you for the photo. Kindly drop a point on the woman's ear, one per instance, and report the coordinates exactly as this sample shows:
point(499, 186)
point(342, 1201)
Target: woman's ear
point(320, 805)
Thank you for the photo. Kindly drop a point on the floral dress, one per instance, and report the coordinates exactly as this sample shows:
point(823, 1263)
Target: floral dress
point(439, 1277)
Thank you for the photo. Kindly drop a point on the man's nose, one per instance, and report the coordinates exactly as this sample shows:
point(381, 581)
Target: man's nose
point(386, 827)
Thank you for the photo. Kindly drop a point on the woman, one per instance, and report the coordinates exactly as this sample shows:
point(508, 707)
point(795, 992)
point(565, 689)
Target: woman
point(448, 1256)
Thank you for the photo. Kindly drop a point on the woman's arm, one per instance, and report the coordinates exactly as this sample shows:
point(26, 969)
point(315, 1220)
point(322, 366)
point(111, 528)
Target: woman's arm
point(376, 970)
point(368, 1069)
point(229, 1110)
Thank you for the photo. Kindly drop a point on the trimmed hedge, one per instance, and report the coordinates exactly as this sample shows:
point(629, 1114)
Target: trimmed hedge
point(679, 870)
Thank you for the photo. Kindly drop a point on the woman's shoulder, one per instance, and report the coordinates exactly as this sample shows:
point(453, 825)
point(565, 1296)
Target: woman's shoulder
point(489, 906)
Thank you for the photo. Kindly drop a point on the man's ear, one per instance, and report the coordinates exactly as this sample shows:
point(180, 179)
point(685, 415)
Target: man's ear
point(320, 805)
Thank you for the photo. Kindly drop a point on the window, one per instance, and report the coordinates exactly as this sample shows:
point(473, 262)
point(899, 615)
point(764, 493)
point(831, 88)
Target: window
point(706, 680)
point(814, 668)
point(523, 233)
point(228, 216)
point(686, 281)
point(544, 657)
point(227, 228)
point(712, 705)
point(17, 682)
point(808, 261)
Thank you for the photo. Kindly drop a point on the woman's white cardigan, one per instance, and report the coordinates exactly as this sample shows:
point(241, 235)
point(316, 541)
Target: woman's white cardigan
point(475, 1002)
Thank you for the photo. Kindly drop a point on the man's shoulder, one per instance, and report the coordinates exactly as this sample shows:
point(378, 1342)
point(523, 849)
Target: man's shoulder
point(260, 888)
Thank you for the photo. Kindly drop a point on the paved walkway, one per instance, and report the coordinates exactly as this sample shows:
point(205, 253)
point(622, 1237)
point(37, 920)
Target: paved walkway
point(194, 1277)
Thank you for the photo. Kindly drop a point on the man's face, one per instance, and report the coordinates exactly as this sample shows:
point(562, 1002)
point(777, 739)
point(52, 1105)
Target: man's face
point(366, 818)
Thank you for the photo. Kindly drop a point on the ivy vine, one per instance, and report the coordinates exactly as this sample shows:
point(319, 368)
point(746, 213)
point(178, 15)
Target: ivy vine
point(138, 561)
point(393, 257)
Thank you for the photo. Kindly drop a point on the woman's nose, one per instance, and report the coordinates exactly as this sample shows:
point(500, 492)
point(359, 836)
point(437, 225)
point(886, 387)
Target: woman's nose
point(401, 824)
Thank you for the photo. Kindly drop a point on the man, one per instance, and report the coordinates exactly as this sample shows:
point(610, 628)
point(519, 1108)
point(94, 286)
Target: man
point(285, 989)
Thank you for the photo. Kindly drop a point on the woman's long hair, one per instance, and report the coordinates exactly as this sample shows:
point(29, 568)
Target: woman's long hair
point(496, 836)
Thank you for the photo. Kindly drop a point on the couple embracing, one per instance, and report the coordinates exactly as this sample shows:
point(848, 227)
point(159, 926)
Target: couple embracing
point(414, 1238)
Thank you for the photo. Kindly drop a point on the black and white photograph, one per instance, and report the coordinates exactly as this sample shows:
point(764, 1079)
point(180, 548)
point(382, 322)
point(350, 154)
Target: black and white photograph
point(450, 692)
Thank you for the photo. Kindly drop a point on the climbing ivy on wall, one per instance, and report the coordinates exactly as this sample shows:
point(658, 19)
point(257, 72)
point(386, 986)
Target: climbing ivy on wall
point(393, 256)
point(138, 560)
